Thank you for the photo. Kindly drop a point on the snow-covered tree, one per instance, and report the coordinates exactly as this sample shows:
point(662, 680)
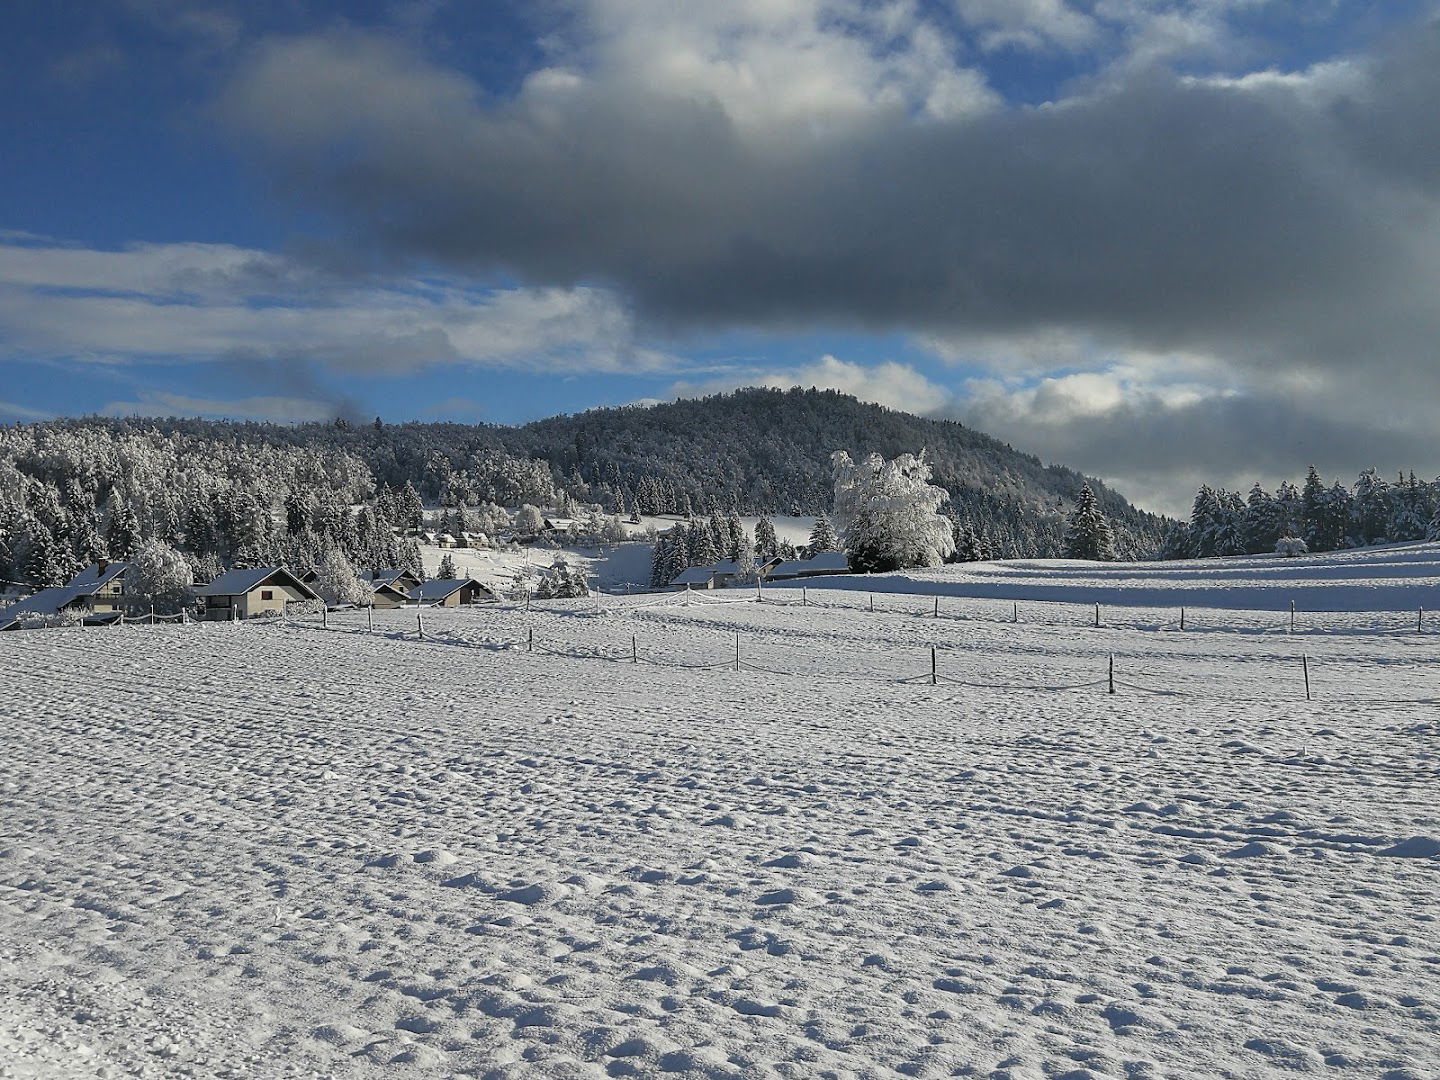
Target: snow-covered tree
point(1290, 546)
point(447, 568)
point(765, 539)
point(337, 581)
point(1088, 535)
point(1260, 527)
point(888, 512)
point(562, 581)
point(1372, 508)
point(122, 529)
point(160, 576)
point(822, 535)
point(529, 520)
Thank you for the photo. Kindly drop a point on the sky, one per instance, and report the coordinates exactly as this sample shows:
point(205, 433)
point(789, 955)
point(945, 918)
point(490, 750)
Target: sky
point(1161, 241)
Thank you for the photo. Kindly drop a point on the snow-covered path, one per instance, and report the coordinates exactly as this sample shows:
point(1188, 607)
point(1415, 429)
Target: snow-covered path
point(271, 850)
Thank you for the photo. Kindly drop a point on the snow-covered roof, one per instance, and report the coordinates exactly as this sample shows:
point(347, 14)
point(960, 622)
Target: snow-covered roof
point(387, 576)
point(732, 568)
point(695, 575)
point(48, 601)
point(824, 560)
point(239, 582)
point(559, 523)
point(440, 588)
point(92, 577)
point(820, 562)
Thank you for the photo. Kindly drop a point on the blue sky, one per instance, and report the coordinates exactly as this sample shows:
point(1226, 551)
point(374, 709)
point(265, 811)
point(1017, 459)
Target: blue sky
point(1114, 232)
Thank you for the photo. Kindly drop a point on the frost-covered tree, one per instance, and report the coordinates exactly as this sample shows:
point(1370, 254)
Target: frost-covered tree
point(562, 581)
point(822, 535)
point(1372, 508)
point(337, 581)
point(529, 519)
point(1088, 535)
point(40, 556)
point(888, 512)
point(1260, 527)
point(1290, 546)
point(160, 576)
point(765, 539)
point(447, 568)
point(122, 528)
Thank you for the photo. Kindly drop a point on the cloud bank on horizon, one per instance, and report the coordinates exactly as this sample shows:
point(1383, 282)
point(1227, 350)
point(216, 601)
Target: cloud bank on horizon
point(1159, 240)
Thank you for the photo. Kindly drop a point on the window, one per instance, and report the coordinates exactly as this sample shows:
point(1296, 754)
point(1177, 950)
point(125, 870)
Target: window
point(267, 594)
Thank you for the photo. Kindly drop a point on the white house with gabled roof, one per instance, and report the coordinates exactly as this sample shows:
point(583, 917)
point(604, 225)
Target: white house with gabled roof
point(244, 594)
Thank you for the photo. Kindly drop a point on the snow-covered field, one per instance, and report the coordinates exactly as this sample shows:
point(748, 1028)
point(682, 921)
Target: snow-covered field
point(270, 850)
point(1400, 577)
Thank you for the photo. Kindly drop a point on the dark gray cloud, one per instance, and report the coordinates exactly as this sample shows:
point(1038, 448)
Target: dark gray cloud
point(1266, 219)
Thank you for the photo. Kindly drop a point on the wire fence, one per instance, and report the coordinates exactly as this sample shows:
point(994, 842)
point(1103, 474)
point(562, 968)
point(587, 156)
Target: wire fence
point(1292, 685)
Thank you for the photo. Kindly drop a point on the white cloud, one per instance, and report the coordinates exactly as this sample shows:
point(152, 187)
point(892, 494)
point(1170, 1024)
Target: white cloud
point(263, 407)
point(201, 302)
point(892, 384)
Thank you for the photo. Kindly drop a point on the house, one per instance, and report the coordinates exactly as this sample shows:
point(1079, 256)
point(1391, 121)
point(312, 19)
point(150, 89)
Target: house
point(821, 564)
point(244, 594)
point(452, 592)
point(728, 571)
point(103, 583)
point(387, 595)
point(401, 579)
point(99, 589)
point(696, 577)
point(445, 540)
point(560, 524)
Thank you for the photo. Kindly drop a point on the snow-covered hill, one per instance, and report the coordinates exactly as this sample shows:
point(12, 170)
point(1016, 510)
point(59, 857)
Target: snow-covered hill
point(264, 850)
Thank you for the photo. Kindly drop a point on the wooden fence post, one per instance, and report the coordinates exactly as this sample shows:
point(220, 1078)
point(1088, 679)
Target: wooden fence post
point(325, 617)
point(370, 619)
point(1292, 616)
point(1420, 622)
point(737, 651)
point(872, 601)
point(937, 605)
point(530, 646)
point(634, 651)
point(420, 624)
point(1305, 667)
point(1112, 673)
point(1015, 615)
point(934, 670)
point(804, 596)
point(1097, 614)
point(152, 614)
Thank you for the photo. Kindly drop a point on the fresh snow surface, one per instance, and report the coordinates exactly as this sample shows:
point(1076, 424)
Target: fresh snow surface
point(271, 850)
point(1402, 577)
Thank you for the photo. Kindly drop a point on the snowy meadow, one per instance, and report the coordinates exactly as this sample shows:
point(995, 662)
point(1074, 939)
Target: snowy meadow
point(274, 849)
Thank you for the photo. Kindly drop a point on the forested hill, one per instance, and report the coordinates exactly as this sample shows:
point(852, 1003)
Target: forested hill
point(771, 450)
point(762, 451)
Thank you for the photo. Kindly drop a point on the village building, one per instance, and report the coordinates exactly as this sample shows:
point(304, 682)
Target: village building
point(452, 592)
point(96, 593)
point(402, 579)
point(821, 564)
point(386, 595)
point(696, 577)
point(244, 594)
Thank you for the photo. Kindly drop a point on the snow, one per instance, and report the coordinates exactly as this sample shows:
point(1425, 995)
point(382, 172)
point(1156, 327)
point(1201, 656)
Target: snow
point(1402, 577)
point(268, 849)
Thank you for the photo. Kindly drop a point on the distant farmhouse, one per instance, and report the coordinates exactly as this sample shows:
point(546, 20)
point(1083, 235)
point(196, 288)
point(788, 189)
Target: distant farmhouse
point(452, 592)
point(98, 590)
point(727, 572)
point(244, 594)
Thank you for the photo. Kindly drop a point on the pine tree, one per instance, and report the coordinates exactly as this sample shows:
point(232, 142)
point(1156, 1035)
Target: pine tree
point(41, 559)
point(1260, 528)
point(765, 538)
point(822, 536)
point(1312, 525)
point(122, 530)
point(447, 568)
point(1088, 535)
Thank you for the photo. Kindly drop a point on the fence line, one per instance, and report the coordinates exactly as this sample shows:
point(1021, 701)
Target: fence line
point(738, 663)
